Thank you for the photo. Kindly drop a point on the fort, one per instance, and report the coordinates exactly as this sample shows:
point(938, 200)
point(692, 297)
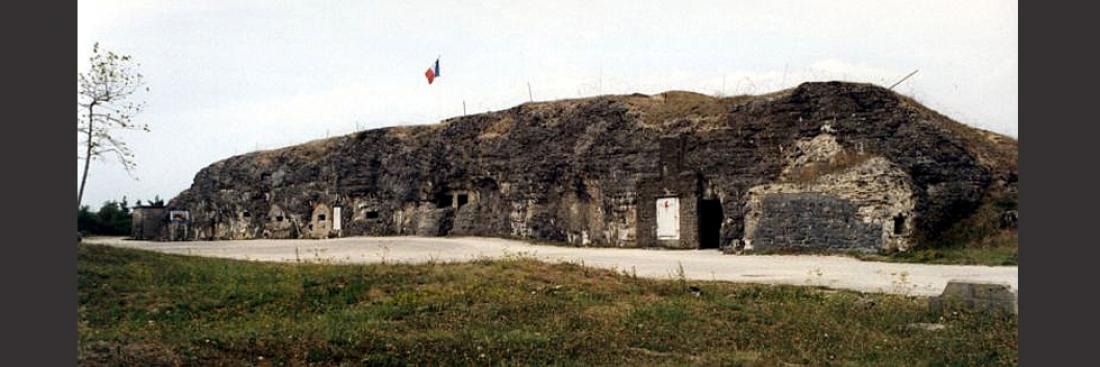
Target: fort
point(823, 166)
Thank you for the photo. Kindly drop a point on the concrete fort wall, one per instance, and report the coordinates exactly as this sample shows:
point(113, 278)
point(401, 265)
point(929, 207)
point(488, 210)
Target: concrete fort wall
point(589, 171)
point(148, 223)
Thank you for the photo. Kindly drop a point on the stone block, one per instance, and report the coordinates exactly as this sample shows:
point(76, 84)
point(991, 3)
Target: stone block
point(979, 296)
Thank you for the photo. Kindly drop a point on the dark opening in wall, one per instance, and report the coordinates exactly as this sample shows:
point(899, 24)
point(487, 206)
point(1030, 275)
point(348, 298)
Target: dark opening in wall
point(320, 217)
point(443, 200)
point(710, 223)
point(463, 199)
point(372, 215)
point(246, 214)
point(899, 224)
point(279, 218)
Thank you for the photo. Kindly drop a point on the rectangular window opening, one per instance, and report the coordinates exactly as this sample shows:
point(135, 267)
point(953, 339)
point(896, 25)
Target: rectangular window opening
point(443, 200)
point(899, 224)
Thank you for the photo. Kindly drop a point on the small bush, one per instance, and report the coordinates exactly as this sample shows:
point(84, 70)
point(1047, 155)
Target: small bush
point(112, 219)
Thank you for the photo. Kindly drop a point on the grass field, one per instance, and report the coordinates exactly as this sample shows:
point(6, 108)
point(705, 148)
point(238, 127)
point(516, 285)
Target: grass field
point(144, 308)
point(993, 256)
point(1000, 248)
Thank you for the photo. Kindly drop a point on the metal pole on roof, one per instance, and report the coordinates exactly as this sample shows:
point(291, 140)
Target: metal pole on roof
point(599, 87)
point(903, 79)
point(783, 84)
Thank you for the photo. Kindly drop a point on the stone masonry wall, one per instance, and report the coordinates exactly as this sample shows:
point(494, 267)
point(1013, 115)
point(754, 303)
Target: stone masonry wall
point(813, 221)
point(880, 192)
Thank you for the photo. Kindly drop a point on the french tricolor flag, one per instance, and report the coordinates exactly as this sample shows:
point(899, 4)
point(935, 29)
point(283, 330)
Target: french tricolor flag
point(433, 72)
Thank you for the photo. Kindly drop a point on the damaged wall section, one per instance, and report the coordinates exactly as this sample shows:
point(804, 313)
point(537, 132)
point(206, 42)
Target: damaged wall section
point(829, 197)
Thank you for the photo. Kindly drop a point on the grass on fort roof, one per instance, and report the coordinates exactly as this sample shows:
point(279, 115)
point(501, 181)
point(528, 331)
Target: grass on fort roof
point(144, 308)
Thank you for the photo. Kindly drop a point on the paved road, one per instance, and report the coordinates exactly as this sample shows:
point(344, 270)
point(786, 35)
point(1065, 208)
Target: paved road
point(828, 271)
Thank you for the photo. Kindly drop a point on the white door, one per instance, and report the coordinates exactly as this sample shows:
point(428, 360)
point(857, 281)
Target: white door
point(668, 218)
point(336, 218)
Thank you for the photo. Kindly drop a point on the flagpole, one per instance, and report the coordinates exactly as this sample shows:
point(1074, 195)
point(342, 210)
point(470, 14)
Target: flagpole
point(438, 110)
point(783, 84)
point(438, 114)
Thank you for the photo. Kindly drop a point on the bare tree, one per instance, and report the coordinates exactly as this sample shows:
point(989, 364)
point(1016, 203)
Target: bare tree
point(104, 108)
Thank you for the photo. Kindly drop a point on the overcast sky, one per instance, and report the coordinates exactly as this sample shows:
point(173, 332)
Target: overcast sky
point(229, 77)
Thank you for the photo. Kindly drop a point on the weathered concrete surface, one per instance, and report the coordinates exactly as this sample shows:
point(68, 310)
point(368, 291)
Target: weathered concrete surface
point(832, 198)
point(828, 271)
point(147, 222)
point(975, 295)
point(587, 171)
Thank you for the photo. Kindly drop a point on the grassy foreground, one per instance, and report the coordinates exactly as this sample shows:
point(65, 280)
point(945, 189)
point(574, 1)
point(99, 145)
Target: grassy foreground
point(991, 256)
point(143, 308)
point(998, 249)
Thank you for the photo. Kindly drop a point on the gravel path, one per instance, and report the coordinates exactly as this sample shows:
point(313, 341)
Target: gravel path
point(828, 271)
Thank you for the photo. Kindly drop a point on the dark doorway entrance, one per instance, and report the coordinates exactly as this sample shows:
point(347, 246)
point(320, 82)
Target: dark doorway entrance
point(710, 223)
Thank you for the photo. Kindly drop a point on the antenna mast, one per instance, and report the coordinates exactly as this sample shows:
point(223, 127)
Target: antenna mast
point(903, 79)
